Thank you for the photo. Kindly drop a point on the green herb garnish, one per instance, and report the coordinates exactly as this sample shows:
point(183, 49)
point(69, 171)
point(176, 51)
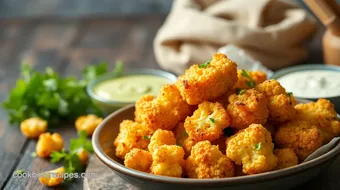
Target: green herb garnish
point(290, 94)
point(145, 137)
point(204, 65)
point(250, 82)
point(70, 159)
point(258, 146)
point(52, 97)
point(19, 171)
point(212, 120)
point(242, 91)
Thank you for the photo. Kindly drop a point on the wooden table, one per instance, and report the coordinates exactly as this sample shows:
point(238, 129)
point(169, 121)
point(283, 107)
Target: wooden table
point(68, 46)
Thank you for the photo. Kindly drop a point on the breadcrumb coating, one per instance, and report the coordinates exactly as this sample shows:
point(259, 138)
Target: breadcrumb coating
point(207, 161)
point(286, 158)
point(207, 122)
point(257, 76)
point(206, 83)
point(188, 144)
point(131, 135)
point(138, 159)
point(253, 149)
point(322, 115)
point(161, 137)
point(167, 160)
point(180, 134)
point(280, 104)
point(301, 136)
point(247, 108)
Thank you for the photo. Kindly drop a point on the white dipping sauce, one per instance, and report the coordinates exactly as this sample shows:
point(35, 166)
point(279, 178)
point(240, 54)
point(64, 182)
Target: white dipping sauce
point(312, 83)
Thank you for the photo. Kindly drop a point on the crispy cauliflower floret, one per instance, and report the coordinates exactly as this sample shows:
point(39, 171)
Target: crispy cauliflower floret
point(131, 135)
point(83, 155)
point(161, 137)
point(180, 134)
point(207, 81)
point(88, 123)
point(207, 161)
point(280, 104)
point(322, 115)
point(256, 76)
point(247, 108)
point(48, 143)
point(138, 159)
point(207, 122)
point(187, 145)
point(53, 177)
point(167, 160)
point(301, 136)
point(33, 127)
point(286, 158)
point(253, 148)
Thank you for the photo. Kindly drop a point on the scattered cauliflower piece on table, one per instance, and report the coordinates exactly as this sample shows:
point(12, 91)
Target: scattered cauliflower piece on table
point(161, 137)
point(53, 177)
point(33, 127)
point(301, 136)
point(247, 108)
point(88, 123)
point(138, 159)
point(322, 115)
point(286, 158)
point(167, 160)
point(131, 135)
point(207, 122)
point(207, 81)
point(48, 143)
point(207, 161)
point(83, 155)
point(281, 104)
point(253, 149)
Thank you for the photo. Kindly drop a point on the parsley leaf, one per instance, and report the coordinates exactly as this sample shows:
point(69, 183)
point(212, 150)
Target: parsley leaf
point(212, 120)
point(250, 82)
point(242, 91)
point(81, 143)
point(204, 65)
point(290, 93)
point(258, 146)
point(145, 137)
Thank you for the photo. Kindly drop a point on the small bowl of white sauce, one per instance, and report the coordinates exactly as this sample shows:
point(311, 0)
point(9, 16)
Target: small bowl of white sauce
point(312, 82)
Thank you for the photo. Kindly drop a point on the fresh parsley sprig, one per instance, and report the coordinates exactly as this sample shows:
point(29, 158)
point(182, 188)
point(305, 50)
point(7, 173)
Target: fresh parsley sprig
point(204, 65)
point(249, 82)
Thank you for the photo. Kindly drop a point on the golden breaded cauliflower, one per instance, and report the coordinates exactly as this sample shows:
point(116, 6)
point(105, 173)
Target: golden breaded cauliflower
point(33, 127)
point(208, 81)
point(247, 108)
point(207, 161)
point(167, 160)
point(253, 149)
point(301, 136)
point(53, 177)
point(207, 122)
point(256, 76)
point(286, 158)
point(280, 104)
point(187, 145)
point(138, 159)
point(322, 115)
point(161, 137)
point(48, 143)
point(131, 135)
point(180, 134)
point(88, 123)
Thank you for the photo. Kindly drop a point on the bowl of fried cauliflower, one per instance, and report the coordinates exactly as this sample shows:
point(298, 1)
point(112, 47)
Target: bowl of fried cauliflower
point(218, 128)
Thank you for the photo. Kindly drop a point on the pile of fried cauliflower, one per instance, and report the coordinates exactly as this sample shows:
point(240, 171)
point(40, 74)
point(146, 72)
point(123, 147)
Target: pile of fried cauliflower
point(218, 122)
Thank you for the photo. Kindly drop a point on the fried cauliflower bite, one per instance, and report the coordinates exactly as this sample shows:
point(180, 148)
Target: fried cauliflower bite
point(301, 136)
point(280, 104)
point(48, 143)
point(207, 161)
point(207, 122)
point(180, 134)
point(247, 108)
point(286, 158)
point(167, 160)
point(138, 159)
point(187, 145)
point(207, 81)
point(88, 123)
point(253, 149)
point(322, 115)
point(257, 76)
point(53, 177)
point(161, 137)
point(33, 127)
point(131, 135)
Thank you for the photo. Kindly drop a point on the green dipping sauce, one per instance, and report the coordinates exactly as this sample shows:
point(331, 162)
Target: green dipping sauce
point(130, 88)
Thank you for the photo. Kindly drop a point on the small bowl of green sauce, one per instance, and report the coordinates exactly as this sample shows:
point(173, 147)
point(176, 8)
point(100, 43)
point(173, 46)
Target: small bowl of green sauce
point(110, 93)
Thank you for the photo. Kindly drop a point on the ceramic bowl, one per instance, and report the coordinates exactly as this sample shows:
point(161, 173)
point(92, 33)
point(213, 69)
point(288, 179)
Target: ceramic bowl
point(108, 106)
point(107, 131)
point(334, 99)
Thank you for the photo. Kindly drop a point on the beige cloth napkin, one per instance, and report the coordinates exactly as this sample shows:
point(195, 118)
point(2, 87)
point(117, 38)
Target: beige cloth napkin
point(270, 31)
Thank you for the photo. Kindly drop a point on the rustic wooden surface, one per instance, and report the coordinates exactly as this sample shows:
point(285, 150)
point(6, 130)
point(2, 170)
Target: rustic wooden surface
point(68, 46)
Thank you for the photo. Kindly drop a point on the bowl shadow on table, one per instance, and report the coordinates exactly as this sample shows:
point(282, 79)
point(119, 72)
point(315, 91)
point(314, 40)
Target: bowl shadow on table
point(291, 179)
